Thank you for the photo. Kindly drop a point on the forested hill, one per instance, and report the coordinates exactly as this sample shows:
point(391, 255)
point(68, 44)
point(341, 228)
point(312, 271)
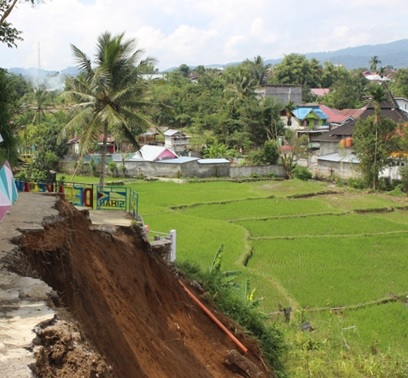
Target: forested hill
point(393, 54)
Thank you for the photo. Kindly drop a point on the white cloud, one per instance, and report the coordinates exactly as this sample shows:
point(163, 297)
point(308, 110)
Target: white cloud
point(202, 32)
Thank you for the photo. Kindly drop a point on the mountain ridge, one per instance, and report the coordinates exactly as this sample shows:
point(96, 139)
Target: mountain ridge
point(394, 54)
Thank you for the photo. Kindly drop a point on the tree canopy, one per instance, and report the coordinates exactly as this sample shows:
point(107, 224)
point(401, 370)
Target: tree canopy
point(8, 33)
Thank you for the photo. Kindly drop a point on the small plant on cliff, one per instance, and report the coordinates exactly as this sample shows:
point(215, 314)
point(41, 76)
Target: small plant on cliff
point(227, 296)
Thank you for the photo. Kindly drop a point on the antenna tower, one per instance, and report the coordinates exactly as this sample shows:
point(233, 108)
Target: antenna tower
point(39, 57)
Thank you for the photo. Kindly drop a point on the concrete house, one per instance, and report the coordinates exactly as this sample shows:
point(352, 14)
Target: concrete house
point(336, 155)
point(176, 141)
point(283, 93)
point(309, 120)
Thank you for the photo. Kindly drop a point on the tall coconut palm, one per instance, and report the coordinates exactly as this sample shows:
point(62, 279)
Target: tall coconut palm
point(374, 62)
point(258, 69)
point(109, 95)
point(378, 95)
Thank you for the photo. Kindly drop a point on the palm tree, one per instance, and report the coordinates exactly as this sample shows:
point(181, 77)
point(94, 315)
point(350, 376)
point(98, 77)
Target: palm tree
point(40, 100)
point(374, 62)
point(258, 69)
point(110, 95)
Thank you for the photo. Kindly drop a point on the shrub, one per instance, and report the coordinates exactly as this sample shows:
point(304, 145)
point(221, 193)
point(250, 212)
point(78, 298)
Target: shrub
point(113, 168)
point(356, 183)
point(301, 173)
point(404, 178)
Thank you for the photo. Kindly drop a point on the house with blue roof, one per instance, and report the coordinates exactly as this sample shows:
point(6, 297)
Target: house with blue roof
point(310, 117)
point(309, 120)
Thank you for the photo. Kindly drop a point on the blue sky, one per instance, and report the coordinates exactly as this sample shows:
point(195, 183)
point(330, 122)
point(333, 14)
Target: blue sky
point(197, 32)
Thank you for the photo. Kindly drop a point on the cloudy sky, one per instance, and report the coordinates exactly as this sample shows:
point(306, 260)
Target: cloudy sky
point(197, 32)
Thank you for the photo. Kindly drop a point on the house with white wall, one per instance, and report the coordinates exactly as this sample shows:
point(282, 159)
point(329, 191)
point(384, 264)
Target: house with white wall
point(176, 141)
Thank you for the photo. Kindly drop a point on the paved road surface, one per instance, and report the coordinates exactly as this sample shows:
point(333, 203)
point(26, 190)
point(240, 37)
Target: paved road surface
point(23, 299)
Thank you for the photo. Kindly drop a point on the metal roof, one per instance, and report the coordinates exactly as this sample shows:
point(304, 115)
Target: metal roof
point(213, 161)
point(151, 153)
point(179, 160)
point(171, 132)
point(303, 112)
point(338, 158)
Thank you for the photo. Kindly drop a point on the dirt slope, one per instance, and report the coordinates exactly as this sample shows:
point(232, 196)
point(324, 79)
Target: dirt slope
point(126, 303)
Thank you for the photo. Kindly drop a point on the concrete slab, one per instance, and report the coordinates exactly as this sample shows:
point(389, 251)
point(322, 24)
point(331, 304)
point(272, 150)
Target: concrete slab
point(22, 299)
point(110, 217)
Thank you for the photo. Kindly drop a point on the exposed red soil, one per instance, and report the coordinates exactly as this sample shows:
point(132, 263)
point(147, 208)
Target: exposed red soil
point(126, 304)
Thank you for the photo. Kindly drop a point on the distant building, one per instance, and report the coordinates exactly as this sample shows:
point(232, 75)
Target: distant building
point(74, 145)
point(149, 137)
point(283, 93)
point(319, 92)
point(176, 141)
point(153, 153)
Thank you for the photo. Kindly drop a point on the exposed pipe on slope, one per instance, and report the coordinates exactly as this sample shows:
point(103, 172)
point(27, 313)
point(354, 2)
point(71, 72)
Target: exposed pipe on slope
point(214, 319)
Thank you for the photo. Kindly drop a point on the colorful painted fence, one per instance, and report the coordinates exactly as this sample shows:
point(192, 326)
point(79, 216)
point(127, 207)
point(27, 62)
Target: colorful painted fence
point(8, 189)
point(89, 195)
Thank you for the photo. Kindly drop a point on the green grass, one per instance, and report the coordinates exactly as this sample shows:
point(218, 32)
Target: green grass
point(198, 239)
point(356, 200)
point(326, 225)
point(335, 271)
point(261, 208)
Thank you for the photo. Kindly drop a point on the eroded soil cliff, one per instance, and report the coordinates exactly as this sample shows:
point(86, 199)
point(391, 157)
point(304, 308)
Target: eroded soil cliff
point(121, 311)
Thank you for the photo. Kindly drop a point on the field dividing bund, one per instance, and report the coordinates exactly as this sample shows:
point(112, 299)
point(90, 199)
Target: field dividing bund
point(314, 253)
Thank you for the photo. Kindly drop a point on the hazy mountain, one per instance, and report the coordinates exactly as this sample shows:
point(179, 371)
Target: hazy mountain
point(393, 54)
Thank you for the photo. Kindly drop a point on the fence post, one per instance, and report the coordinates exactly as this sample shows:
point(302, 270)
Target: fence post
point(173, 246)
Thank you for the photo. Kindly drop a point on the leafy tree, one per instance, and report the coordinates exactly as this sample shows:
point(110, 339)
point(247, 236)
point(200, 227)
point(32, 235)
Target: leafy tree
point(332, 74)
point(109, 96)
point(9, 34)
point(43, 163)
point(293, 149)
point(269, 154)
point(347, 92)
point(45, 136)
point(373, 145)
point(184, 70)
point(216, 150)
point(373, 139)
point(296, 69)
point(263, 121)
point(400, 84)
point(8, 147)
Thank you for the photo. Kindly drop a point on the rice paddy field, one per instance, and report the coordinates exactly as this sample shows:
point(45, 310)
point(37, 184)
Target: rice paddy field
point(337, 257)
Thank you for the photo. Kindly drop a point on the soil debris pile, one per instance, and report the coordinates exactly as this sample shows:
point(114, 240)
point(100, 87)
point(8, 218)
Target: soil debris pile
point(126, 303)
